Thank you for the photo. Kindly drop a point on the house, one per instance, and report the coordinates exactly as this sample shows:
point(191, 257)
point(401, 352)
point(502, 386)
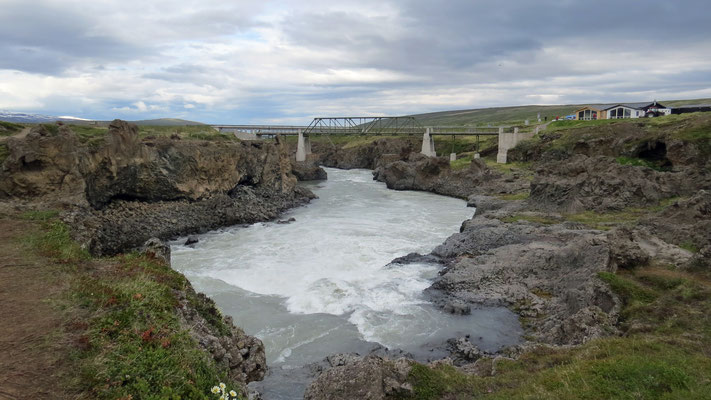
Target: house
point(591, 112)
point(621, 110)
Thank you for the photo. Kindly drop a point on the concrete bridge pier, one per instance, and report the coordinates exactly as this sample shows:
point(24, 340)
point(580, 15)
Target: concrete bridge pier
point(303, 147)
point(508, 141)
point(428, 147)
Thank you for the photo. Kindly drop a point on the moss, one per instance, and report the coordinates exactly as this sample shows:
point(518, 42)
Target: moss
point(639, 162)
point(530, 218)
point(627, 289)
point(4, 152)
point(515, 196)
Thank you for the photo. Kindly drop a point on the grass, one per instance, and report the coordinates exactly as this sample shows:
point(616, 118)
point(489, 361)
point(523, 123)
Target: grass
point(664, 354)
point(130, 342)
point(4, 152)
point(639, 162)
point(515, 196)
point(537, 219)
point(8, 128)
point(627, 216)
point(189, 132)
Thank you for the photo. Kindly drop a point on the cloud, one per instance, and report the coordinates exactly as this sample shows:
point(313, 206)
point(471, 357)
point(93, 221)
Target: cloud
point(254, 61)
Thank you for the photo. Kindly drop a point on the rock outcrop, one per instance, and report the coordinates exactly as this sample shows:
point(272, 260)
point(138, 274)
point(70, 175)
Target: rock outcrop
point(364, 156)
point(547, 274)
point(371, 377)
point(308, 170)
point(434, 174)
point(243, 356)
point(601, 184)
point(127, 190)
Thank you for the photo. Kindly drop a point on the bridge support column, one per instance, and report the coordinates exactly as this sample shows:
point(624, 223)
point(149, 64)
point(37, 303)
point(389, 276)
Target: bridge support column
point(428, 147)
point(303, 147)
point(508, 141)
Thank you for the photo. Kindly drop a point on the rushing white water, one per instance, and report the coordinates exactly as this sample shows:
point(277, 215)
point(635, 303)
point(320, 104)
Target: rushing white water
point(322, 283)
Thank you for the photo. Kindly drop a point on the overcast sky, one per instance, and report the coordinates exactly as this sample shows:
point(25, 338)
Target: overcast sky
point(262, 61)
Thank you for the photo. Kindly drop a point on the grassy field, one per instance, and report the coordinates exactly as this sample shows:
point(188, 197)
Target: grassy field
point(125, 337)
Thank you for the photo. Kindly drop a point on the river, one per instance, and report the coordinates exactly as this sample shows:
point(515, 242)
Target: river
point(323, 284)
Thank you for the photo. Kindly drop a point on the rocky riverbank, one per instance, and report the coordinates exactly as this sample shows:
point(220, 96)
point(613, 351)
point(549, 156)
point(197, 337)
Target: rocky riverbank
point(122, 191)
point(591, 203)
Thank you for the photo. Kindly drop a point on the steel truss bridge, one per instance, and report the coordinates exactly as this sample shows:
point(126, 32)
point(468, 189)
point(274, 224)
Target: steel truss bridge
point(387, 126)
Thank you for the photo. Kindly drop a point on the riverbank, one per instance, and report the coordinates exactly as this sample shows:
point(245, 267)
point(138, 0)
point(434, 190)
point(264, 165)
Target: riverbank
point(604, 246)
point(87, 214)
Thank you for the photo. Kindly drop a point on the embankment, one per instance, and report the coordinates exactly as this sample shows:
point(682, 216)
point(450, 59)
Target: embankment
point(121, 193)
point(592, 233)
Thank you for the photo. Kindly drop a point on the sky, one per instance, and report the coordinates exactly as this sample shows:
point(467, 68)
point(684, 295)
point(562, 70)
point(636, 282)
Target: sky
point(286, 62)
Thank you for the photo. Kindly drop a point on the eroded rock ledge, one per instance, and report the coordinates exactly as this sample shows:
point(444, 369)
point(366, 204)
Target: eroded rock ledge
point(126, 190)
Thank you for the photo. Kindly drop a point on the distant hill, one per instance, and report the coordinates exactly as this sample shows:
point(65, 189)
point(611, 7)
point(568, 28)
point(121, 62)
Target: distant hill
point(27, 118)
point(17, 117)
point(516, 115)
point(167, 122)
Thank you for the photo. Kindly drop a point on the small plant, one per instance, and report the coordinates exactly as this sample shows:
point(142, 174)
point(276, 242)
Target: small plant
point(221, 390)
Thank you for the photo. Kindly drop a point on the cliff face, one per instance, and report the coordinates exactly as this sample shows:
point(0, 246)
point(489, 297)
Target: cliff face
point(126, 167)
point(127, 190)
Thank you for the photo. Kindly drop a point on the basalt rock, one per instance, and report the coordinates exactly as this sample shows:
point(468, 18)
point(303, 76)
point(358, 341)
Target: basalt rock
point(155, 248)
point(600, 183)
point(547, 274)
point(44, 163)
point(372, 378)
point(241, 355)
point(364, 156)
point(434, 174)
point(126, 190)
point(308, 170)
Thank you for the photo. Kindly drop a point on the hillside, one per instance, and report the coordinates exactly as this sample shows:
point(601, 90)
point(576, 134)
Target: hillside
point(515, 115)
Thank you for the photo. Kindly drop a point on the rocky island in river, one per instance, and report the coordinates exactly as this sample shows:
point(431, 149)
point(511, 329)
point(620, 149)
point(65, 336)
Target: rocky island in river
point(598, 237)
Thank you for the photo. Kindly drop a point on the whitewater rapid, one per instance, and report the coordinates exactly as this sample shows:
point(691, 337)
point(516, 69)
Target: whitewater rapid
point(323, 283)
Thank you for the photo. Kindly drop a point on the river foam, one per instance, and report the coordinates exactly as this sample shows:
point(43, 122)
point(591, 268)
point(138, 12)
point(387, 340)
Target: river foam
point(312, 286)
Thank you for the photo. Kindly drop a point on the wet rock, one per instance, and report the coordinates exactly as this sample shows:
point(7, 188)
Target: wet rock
point(191, 240)
point(546, 274)
point(240, 355)
point(413, 258)
point(286, 221)
point(157, 249)
point(463, 351)
point(308, 170)
point(369, 378)
point(457, 308)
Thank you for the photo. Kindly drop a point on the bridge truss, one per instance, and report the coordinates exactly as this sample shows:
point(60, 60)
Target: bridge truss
point(365, 126)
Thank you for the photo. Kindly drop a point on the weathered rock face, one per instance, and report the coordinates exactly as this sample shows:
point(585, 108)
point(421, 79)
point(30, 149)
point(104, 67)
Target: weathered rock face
point(127, 168)
point(139, 189)
point(308, 170)
point(369, 378)
point(433, 174)
point(364, 156)
point(241, 355)
point(600, 183)
point(547, 274)
point(44, 163)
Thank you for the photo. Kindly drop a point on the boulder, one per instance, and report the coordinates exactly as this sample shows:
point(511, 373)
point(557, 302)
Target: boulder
point(369, 378)
point(157, 249)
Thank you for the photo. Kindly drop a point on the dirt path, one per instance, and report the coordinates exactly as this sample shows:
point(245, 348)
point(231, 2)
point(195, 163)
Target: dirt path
point(33, 346)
